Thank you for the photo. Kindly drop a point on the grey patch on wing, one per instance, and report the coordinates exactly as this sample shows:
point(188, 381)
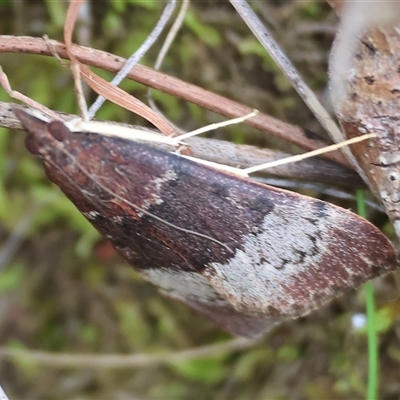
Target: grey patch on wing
point(182, 284)
point(195, 290)
point(257, 278)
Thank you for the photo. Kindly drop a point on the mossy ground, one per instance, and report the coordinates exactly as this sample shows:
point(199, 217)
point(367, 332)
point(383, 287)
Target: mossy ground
point(62, 287)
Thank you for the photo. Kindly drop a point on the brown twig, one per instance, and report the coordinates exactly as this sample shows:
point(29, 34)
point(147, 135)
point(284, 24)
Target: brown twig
point(175, 87)
point(236, 155)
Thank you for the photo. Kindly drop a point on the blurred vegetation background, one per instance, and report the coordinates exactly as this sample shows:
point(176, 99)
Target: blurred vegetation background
point(63, 288)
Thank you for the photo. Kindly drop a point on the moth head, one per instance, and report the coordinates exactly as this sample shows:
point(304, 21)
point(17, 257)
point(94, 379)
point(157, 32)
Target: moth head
point(43, 135)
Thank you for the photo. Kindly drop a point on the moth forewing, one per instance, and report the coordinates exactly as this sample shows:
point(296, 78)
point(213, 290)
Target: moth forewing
point(242, 253)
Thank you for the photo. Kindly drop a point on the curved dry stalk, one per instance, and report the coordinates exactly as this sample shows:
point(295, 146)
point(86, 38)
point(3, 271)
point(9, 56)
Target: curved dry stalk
point(117, 361)
point(104, 88)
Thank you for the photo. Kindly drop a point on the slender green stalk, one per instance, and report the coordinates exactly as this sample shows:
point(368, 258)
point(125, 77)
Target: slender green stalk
point(373, 351)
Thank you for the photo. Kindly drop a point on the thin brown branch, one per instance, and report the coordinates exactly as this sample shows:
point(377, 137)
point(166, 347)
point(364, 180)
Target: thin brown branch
point(175, 87)
point(235, 155)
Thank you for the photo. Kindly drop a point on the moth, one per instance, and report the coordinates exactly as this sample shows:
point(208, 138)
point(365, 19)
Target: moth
point(245, 254)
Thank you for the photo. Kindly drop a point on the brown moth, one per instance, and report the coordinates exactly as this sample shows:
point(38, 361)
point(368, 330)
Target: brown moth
point(245, 254)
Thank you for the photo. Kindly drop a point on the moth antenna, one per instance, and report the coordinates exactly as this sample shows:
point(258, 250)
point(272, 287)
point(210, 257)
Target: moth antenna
point(105, 188)
point(296, 158)
point(300, 157)
point(217, 125)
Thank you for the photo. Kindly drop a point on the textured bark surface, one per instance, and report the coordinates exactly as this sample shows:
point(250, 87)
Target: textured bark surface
point(365, 80)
